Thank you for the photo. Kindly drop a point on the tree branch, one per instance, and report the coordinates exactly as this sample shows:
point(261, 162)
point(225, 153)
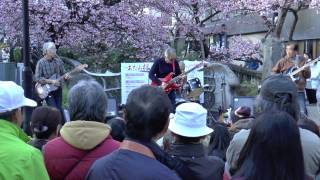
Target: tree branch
point(281, 19)
point(294, 24)
point(209, 17)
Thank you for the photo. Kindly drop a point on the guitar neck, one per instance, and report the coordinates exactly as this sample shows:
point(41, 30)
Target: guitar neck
point(185, 73)
point(304, 66)
point(70, 72)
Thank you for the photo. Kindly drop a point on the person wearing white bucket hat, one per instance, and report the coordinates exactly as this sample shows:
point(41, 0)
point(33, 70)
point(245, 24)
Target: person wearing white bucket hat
point(18, 159)
point(189, 127)
point(190, 120)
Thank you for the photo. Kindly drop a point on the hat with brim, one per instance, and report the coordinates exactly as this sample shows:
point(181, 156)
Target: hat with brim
point(190, 120)
point(12, 97)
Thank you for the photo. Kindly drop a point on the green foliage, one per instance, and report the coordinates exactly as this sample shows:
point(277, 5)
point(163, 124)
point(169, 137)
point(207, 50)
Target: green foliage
point(101, 59)
point(68, 53)
point(17, 55)
point(247, 89)
point(3, 45)
point(65, 91)
point(193, 56)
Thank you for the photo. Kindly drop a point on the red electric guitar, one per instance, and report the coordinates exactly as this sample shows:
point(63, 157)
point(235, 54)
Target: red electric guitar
point(172, 82)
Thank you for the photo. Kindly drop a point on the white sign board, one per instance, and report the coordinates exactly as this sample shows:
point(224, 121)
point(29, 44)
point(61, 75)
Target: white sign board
point(133, 75)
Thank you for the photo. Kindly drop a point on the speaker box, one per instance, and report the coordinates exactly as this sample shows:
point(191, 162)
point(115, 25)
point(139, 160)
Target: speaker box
point(244, 101)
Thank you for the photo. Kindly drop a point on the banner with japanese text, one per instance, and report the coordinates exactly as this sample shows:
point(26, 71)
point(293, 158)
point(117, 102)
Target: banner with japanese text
point(133, 75)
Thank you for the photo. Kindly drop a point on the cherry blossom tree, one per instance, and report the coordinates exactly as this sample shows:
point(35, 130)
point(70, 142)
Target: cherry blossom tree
point(90, 24)
point(193, 19)
point(87, 23)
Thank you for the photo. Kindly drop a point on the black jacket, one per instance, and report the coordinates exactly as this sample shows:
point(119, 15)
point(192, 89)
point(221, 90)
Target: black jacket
point(161, 69)
point(203, 166)
point(38, 143)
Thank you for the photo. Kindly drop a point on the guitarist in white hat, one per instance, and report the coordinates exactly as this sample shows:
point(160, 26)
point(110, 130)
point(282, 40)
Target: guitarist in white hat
point(47, 67)
point(288, 64)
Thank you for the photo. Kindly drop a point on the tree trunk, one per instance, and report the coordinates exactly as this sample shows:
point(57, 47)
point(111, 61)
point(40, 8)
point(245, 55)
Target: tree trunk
point(273, 51)
point(294, 24)
point(176, 39)
point(281, 19)
point(11, 54)
point(203, 54)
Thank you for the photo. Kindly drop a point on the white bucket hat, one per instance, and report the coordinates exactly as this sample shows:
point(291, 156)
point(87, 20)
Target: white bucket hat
point(190, 120)
point(12, 97)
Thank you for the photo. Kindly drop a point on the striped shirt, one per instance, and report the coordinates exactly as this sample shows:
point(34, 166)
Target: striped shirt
point(47, 68)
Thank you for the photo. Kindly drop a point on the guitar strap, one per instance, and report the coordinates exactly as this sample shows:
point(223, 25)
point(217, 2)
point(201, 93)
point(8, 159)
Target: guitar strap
point(174, 66)
point(56, 68)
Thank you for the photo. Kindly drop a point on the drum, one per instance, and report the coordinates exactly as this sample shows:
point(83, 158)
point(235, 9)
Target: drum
point(180, 100)
point(194, 88)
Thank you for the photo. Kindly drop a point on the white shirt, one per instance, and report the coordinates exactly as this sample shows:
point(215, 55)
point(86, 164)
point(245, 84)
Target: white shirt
point(314, 80)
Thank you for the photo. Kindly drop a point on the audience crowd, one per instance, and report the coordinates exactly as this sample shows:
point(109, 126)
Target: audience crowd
point(272, 142)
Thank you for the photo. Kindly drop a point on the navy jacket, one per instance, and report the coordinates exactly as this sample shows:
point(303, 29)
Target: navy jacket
point(126, 165)
point(161, 69)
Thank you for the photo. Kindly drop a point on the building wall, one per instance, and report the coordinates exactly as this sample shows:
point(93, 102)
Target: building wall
point(308, 25)
point(255, 38)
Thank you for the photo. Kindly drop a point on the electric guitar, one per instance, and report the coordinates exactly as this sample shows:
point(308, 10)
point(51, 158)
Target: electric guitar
point(172, 82)
point(293, 71)
point(43, 90)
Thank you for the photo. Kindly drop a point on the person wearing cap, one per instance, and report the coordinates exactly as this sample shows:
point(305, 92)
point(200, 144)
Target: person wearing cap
point(189, 128)
point(279, 92)
point(240, 119)
point(291, 61)
point(18, 160)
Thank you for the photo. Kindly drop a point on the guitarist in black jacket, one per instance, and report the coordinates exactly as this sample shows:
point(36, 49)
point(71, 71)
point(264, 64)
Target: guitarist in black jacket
point(48, 66)
point(162, 67)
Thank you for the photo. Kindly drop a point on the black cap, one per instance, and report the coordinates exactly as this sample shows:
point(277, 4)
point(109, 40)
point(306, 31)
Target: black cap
point(277, 84)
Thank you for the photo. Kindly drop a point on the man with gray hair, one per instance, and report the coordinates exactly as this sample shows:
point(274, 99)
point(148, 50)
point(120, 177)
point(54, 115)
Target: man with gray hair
point(164, 66)
point(48, 66)
point(83, 140)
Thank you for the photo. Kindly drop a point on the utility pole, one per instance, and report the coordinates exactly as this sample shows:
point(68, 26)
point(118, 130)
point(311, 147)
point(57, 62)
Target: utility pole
point(27, 73)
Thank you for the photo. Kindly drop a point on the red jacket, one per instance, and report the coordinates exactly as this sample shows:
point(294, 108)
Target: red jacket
point(70, 156)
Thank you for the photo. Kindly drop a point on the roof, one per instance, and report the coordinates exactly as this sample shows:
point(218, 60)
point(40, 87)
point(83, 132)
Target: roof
point(307, 27)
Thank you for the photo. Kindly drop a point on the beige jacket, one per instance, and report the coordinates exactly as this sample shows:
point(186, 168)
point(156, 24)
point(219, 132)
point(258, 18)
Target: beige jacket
point(85, 134)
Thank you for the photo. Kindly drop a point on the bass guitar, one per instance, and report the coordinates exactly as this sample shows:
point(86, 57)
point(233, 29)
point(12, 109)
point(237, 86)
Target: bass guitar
point(43, 90)
point(293, 71)
point(172, 83)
